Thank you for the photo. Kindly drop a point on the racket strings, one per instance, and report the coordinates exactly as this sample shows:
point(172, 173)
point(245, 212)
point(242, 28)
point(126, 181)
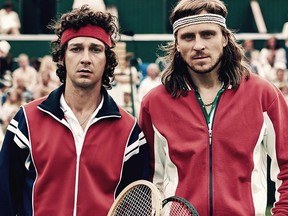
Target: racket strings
point(177, 208)
point(137, 201)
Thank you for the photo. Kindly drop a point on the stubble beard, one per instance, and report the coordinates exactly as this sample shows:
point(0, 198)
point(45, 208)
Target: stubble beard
point(210, 69)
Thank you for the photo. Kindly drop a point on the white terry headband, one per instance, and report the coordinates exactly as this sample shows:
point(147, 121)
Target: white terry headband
point(198, 19)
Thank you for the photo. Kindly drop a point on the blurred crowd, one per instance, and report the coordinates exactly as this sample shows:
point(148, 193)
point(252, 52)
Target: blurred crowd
point(270, 62)
point(24, 82)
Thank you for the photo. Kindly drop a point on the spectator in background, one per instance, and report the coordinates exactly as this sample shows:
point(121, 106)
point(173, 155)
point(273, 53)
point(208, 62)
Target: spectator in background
point(47, 78)
point(35, 63)
point(151, 80)
point(9, 20)
point(127, 102)
point(127, 79)
point(270, 55)
point(285, 34)
point(280, 79)
point(6, 62)
point(45, 85)
point(26, 93)
point(48, 66)
point(252, 55)
point(97, 5)
point(26, 72)
point(4, 48)
point(248, 46)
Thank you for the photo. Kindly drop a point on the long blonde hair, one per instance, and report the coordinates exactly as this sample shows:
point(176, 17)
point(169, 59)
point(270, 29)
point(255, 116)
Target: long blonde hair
point(233, 66)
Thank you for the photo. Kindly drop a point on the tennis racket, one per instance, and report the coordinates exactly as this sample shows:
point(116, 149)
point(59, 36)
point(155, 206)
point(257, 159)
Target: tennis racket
point(140, 198)
point(177, 206)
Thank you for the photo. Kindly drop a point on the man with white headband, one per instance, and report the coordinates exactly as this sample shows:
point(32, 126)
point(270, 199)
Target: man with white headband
point(213, 123)
point(72, 152)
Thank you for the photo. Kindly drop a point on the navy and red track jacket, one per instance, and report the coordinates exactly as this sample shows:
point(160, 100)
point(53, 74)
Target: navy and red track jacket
point(40, 173)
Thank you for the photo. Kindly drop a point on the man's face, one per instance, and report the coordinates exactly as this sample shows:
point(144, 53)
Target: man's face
point(85, 62)
point(201, 46)
point(23, 61)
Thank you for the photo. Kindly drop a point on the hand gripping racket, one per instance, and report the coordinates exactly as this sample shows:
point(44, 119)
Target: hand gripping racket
point(177, 206)
point(140, 198)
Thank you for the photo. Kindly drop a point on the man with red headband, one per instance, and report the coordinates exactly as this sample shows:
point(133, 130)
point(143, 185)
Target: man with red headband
point(213, 123)
point(72, 152)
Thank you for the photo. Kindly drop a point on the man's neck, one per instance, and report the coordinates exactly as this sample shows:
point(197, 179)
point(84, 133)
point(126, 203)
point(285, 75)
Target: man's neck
point(206, 81)
point(82, 100)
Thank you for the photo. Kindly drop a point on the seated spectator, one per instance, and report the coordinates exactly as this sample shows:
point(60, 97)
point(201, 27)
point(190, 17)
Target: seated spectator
point(98, 5)
point(150, 81)
point(251, 54)
point(26, 72)
point(271, 55)
point(127, 102)
point(284, 90)
point(44, 86)
point(280, 79)
point(26, 93)
point(4, 48)
point(285, 35)
point(248, 46)
point(35, 63)
point(48, 66)
point(9, 19)
point(126, 81)
point(6, 62)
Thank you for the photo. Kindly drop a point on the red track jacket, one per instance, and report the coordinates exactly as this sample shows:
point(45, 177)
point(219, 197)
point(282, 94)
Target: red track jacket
point(221, 171)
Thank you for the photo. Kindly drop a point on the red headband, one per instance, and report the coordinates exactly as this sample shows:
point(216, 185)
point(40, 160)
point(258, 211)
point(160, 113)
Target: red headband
point(86, 31)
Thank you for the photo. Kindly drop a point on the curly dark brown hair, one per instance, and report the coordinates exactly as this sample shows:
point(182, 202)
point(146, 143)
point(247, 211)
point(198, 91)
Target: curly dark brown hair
point(77, 18)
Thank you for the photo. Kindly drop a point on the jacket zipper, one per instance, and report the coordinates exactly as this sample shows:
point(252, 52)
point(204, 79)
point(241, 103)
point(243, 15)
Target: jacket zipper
point(76, 185)
point(210, 171)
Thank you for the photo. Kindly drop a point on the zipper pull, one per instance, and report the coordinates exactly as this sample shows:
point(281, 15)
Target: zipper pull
point(210, 136)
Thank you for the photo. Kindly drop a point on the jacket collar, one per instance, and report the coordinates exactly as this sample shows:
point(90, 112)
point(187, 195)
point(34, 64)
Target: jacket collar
point(52, 104)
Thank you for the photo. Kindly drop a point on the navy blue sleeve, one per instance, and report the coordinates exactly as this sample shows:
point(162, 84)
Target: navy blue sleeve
point(136, 160)
point(13, 155)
